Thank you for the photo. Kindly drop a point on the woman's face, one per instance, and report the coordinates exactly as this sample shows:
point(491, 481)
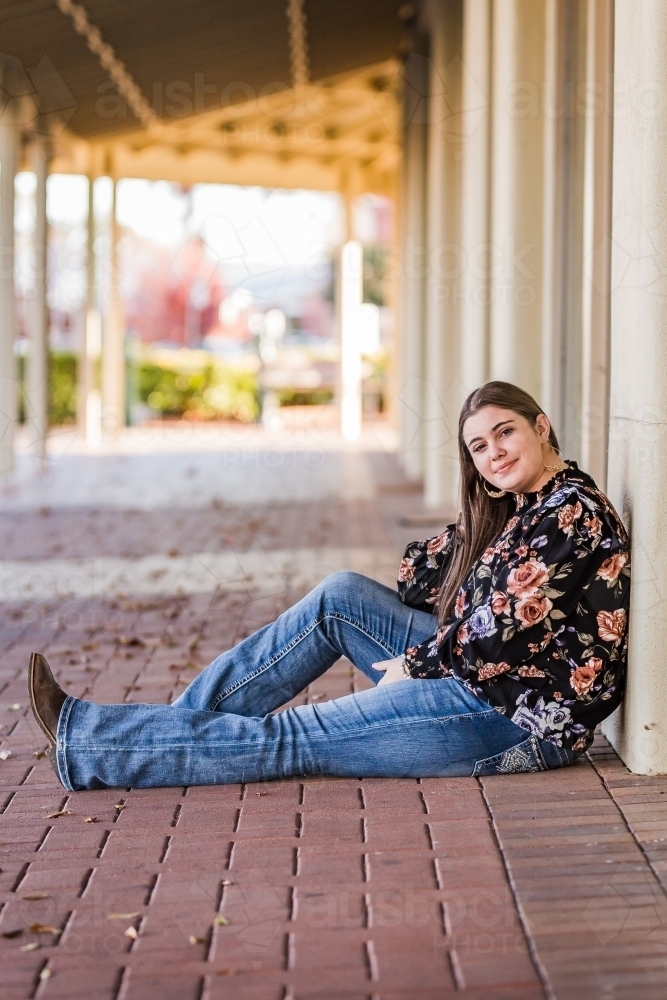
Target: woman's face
point(507, 449)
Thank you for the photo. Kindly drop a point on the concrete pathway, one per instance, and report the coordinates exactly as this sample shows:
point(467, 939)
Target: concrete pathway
point(131, 573)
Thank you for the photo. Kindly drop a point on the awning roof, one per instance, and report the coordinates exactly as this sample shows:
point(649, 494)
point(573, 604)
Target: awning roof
point(192, 56)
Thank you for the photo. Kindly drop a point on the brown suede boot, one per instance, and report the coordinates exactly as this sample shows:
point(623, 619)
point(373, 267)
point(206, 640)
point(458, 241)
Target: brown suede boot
point(46, 700)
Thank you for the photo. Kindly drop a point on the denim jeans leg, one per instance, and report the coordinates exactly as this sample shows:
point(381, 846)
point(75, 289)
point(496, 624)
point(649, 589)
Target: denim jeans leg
point(412, 729)
point(345, 615)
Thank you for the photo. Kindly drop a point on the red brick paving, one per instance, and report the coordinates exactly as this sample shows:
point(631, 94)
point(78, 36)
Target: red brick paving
point(518, 887)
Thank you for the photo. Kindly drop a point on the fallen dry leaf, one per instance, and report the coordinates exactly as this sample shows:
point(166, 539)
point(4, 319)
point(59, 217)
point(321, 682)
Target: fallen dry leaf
point(58, 813)
point(12, 934)
point(132, 933)
point(43, 929)
point(119, 806)
point(45, 974)
point(262, 793)
point(36, 895)
point(33, 946)
point(89, 645)
point(130, 640)
point(40, 753)
point(90, 819)
point(220, 921)
point(196, 940)
point(225, 972)
point(5, 754)
point(123, 916)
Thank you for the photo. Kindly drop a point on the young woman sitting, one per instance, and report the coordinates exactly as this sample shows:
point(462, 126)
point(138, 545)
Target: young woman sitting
point(503, 649)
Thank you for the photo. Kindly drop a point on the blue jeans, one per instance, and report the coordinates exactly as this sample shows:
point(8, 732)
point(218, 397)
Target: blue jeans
point(221, 729)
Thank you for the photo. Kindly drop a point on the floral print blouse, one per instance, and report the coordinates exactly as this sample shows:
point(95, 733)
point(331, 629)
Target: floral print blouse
point(539, 629)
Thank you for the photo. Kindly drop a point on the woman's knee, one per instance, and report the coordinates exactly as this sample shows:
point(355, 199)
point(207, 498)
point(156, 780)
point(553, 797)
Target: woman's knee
point(341, 588)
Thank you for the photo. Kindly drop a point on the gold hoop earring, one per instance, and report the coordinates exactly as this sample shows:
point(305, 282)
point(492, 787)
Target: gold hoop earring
point(555, 468)
point(494, 493)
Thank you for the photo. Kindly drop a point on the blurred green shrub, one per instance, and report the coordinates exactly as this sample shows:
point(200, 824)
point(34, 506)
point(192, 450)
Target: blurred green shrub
point(196, 389)
point(299, 397)
point(20, 367)
point(62, 387)
point(209, 392)
point(376, 263)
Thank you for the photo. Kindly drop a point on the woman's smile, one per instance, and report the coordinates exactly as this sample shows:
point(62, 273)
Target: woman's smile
point(505, 467)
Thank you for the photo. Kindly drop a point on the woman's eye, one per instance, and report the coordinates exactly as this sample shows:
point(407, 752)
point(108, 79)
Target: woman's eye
point(506, 430)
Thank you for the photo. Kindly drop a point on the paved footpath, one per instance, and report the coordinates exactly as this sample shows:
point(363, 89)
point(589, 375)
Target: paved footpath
point(518, 887)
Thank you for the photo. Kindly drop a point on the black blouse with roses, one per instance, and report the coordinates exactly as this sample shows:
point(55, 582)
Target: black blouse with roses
point(539, 629)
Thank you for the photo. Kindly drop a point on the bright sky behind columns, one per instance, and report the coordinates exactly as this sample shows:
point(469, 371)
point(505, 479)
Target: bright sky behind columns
point(298, 225)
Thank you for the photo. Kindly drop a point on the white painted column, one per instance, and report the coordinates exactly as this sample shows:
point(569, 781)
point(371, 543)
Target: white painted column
point(410, 387)
point(517, 187)
point(9, 152)
point(563, 262)
point(351, 291)
point(597, 239)
point(475, 180)
point(89, 403)
point(553, 298)
point(442, 386)
point(37, 381)
point(638, 405)
point(113, 341)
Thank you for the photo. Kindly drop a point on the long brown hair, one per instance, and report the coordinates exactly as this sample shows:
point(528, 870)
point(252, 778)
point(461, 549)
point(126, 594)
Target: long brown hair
point(481, 518)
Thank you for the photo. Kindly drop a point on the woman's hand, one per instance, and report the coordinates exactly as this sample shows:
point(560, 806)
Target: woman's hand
point(394, 670)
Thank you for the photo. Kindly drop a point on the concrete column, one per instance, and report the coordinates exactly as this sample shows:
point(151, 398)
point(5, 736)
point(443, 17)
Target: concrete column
point(517, 191)
point(348, 287)
point(83, 381)
point(88, 398)
point(442, 389)
point(638, 405)
point(475, 180)
point(351, 186)
point(351, 282)
point(392, 299)
point(563, 262)
point(410, 387)
point(9, 152)
point(113, 342)
point(37, 382)
point(597, 239)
